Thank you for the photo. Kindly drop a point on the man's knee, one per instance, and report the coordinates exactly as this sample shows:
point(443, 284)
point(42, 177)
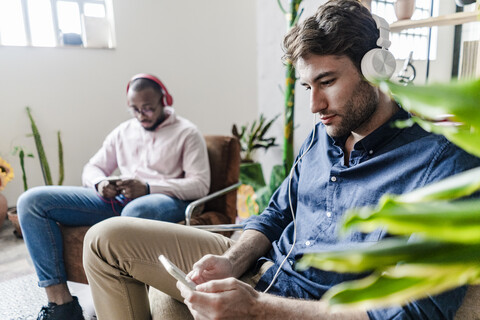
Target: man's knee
point(137, 207)
point(100, 238)
point(31, 199)
point(110, 230)
point(107, 238)
point(156, 207)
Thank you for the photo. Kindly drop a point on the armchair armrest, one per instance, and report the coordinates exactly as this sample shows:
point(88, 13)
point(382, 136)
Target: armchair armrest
point(219, 227)
point(193, 204)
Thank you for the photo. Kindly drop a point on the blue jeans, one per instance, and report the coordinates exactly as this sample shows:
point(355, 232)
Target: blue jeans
point(41, 208)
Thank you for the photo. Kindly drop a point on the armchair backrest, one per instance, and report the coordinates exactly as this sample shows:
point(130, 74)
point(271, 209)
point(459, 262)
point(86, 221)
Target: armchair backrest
point(224, 158)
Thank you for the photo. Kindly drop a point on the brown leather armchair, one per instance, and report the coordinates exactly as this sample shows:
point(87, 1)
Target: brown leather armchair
point(219, 207)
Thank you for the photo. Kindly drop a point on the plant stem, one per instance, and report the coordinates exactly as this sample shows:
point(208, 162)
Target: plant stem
point(290, 95)
point(21, 156)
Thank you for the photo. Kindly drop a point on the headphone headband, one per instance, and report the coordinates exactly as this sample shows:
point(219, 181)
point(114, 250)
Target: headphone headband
point(167, 98)
point(379, 63)
point(383, 30)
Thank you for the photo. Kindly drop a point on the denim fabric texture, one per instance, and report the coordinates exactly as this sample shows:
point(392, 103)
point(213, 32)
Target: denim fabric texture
point(389, 160)
point(41, 208)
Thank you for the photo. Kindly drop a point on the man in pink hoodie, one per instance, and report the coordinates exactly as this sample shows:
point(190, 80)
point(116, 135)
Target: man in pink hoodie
point(163, 165)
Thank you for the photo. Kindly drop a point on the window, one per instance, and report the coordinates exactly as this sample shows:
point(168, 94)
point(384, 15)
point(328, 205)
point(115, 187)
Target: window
point(416, 40)
point(54, 23)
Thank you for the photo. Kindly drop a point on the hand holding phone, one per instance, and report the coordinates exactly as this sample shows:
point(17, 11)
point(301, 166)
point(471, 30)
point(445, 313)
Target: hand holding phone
point(107, 187)
point(176, 272)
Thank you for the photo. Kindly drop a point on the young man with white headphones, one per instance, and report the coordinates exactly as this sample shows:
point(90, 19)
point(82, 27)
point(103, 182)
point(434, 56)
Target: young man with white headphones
point(163, 165)
point(352, 158)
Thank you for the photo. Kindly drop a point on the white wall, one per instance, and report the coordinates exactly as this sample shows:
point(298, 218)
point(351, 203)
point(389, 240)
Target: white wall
point(271, 28)
point(205, 52)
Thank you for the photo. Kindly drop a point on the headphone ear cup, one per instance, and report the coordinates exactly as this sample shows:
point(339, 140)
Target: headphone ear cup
point(167, 98)
point(378, 64)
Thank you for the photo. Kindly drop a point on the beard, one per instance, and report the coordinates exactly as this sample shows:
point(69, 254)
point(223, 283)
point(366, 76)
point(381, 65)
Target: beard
point(157, 122)
point(154, 126)
point(357, 111)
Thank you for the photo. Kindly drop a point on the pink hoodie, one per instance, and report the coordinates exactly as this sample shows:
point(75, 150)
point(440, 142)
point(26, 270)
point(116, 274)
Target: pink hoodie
point(173, 159)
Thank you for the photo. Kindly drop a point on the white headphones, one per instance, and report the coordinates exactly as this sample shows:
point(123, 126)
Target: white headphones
point(379, 63)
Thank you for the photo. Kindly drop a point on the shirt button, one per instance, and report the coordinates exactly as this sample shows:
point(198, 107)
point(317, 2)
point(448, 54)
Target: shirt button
point(307, 243)
point(370, 152)
point(329, 214)
point(333, 179)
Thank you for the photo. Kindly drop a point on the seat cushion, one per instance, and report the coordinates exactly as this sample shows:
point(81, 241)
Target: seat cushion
point(470, 308)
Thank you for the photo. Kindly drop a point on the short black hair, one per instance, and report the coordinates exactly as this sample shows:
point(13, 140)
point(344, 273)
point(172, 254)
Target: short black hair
point(140, 84)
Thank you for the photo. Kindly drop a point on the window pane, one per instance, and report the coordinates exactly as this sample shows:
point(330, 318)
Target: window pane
point(94, 10)
point(415, 40)
point(69, 17)
point(41, 24)
point(12, 26)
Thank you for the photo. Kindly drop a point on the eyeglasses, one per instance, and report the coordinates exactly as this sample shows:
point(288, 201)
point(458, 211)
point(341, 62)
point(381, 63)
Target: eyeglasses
point(147, 112)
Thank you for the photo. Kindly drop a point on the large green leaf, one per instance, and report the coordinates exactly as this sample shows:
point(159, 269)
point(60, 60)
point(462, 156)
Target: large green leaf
point(387, 253)
point(448, 221)
point(457, 186)
point(403, 271)
point(456, 102)
point(465, 136)
point(382, 255)
point(459, 99)
point(399, 286)
point(47, 176)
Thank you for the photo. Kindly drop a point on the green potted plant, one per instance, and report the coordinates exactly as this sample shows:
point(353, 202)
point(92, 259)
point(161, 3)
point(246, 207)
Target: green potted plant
point(446, 252)
point(47, 177)
point(254, 189)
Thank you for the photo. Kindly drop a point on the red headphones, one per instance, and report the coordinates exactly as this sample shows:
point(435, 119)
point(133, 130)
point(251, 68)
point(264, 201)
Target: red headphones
point(167, 98)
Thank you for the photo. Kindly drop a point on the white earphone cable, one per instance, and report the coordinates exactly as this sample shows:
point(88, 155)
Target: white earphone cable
point(291, 207)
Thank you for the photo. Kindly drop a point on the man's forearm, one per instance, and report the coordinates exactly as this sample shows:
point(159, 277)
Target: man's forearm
point(272, 307)
point(243, 254)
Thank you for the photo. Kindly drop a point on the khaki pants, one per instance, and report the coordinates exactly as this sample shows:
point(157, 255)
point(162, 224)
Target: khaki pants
point(121, 257)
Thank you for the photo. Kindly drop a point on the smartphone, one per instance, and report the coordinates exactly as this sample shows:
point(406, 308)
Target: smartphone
point(113, 179)
point(176, 272)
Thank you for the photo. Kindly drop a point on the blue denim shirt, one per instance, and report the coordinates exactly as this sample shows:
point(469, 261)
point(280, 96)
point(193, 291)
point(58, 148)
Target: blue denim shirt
point(389, 160)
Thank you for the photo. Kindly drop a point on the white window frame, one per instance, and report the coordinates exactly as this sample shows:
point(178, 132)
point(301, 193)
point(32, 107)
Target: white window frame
point(110, 43)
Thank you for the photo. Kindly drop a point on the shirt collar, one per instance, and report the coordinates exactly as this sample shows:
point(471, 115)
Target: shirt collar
point(382, 134)
point(379, 136)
